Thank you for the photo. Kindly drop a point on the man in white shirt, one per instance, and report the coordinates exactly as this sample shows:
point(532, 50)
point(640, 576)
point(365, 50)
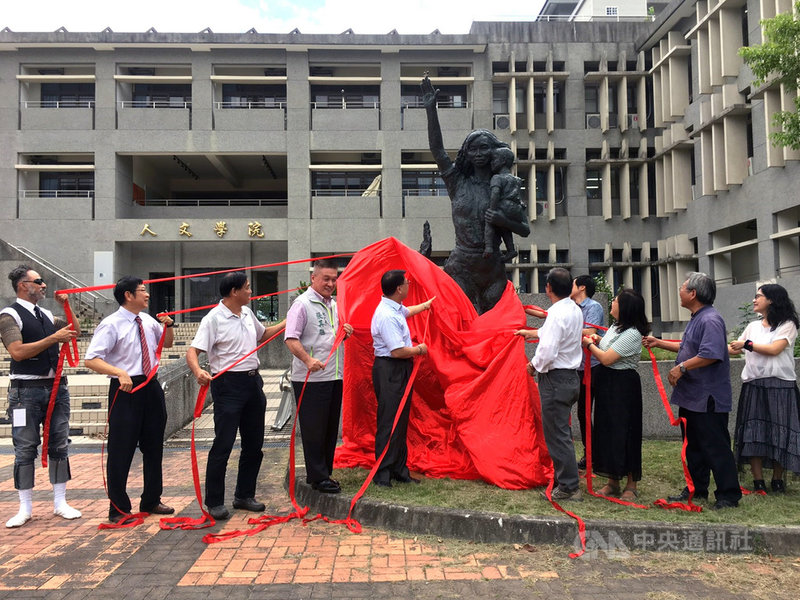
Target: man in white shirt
point(557, 359)
point(227, 333)
point(31, 335)
point(123, 347)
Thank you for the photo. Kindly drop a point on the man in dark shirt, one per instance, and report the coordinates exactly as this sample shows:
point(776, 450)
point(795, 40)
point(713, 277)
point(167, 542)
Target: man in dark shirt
point(702, 391)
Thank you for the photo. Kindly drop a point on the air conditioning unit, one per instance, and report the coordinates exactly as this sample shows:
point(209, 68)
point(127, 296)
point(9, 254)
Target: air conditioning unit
point(502, 122)
point(633, 121)
point(592, 120)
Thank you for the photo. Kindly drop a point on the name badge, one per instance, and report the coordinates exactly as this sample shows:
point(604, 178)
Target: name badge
point(18, 417)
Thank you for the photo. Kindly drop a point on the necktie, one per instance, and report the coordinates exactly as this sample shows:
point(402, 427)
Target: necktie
point(145, 350)
point(38, 314)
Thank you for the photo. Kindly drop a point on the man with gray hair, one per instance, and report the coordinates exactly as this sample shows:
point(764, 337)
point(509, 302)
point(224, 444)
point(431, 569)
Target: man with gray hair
point(702, 391)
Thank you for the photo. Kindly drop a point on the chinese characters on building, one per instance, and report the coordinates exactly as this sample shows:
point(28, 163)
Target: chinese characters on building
point(220, 228)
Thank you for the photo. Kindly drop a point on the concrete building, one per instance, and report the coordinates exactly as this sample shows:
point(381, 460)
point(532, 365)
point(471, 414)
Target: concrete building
point(644, 147)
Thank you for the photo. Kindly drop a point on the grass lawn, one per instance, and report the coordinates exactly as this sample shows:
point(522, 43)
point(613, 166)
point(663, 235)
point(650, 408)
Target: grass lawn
point(662, 475)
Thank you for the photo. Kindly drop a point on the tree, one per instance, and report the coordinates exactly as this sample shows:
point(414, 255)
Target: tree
point(777, 60)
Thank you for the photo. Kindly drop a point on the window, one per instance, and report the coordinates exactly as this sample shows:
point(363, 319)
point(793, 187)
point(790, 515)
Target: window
point(500, 100)
point(236, 95)
point(612, 11)
point(423, 183)
point(592, 98)
point(66, 185)
point(351, 96)
point(345, 183)
point(67, 95)
point(734, 253)
point(162, 95)
point(450, 96)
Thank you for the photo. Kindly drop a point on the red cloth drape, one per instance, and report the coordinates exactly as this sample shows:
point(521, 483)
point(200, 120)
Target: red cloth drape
point(475, 412)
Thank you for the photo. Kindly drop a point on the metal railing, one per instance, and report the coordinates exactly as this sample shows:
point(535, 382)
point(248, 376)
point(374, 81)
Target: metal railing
point(57, 104)
point(155, 104)
point(588, 18)
point(25, 194)
point(89, 300)
point(357, 104)
point(213, 202)
point(260, 104)
point(441, 104)
point(424, 192)
point(348, 193)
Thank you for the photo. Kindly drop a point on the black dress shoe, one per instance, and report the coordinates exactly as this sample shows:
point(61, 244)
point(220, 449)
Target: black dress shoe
point(250, 504)
point(720, 504)
point(159, 509)
point(406, 479)
point(778, 486)
point(326, 486)
point(116, 518)
point(759, 485)
point(684, 496)
point(387, 484)
point(220, 513)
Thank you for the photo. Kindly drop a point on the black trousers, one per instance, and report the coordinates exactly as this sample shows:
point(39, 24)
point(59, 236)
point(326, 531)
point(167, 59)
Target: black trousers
point(137, 419)
point(319, 425)
point(239, 404)
point(708, 450)
point(389, 379)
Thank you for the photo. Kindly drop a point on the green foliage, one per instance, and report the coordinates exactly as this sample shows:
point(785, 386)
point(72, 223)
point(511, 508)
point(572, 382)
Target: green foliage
point(777, 60)
point(602, 285)
point(746, 316)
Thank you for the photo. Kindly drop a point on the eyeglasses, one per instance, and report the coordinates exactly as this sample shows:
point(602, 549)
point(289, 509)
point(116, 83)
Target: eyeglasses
point(39, 281)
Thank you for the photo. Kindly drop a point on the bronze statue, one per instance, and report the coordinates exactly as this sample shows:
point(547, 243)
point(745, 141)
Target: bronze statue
point(482, 277)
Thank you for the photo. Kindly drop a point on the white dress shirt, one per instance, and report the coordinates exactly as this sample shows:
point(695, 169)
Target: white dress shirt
point(226, 337)
point(560, 338)
point(116, 341)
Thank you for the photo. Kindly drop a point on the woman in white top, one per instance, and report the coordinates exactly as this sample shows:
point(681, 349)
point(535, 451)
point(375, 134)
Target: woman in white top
point(617, 390)
point(767, 423)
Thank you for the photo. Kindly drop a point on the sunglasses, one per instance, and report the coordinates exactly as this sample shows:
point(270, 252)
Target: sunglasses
point(39, 281)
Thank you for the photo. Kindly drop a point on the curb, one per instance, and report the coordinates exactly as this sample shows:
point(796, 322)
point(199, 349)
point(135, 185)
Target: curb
point(609, 537)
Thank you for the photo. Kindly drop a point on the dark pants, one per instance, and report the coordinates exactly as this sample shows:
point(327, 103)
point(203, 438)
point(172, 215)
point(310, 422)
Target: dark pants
point(135, 419)
point(319, 425)
point(389, 379)
point(708, 450)
point(558, 391)
point(239, 404)
point(33, 399)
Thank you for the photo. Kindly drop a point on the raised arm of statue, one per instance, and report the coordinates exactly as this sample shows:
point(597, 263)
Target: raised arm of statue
point(429, 97)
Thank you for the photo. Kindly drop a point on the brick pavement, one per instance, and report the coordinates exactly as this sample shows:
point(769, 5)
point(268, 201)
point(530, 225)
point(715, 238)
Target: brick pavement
point(53, 558)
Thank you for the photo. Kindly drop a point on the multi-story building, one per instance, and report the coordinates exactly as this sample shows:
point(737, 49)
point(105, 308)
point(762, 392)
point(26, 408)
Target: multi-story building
point(643, 145)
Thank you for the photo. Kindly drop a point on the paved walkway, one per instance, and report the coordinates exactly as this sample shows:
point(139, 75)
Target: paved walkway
point(53, 558)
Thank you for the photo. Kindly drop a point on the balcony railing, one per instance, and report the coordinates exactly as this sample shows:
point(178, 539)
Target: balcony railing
point(354, 104)
point(251, 105)
point(58, 104)
point(213, 202)
point(26, 194)
point(441, 104)
point(347, 193)
point(155, 104)
point(424, 192)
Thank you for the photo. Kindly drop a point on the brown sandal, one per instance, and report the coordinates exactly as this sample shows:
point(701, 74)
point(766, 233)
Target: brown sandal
point(609, 490)
point(629, 494)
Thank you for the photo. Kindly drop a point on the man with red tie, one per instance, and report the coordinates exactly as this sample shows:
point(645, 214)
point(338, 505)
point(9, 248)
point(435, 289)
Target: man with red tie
point(123, 347)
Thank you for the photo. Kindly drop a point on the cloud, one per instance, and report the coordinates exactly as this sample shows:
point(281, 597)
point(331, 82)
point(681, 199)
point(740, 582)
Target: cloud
point(267, 16)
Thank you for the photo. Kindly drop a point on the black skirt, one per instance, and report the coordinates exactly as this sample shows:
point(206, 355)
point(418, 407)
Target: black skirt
point(767, 423)
point(617, 427)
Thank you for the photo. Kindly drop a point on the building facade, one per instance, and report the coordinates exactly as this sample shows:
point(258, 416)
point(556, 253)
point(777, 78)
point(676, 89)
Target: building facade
point(643, 145)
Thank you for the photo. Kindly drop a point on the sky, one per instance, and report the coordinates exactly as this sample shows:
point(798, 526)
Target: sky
point(266, 16)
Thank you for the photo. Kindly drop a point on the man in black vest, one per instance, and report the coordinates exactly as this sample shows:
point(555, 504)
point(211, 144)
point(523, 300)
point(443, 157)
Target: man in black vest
point(31, 335)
